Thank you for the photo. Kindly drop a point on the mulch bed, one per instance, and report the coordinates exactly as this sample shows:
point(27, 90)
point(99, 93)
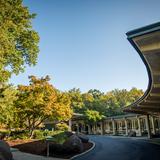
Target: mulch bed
point(38, 147)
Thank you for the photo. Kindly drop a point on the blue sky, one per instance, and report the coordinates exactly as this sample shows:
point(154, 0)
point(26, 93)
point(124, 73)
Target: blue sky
point(83, 43)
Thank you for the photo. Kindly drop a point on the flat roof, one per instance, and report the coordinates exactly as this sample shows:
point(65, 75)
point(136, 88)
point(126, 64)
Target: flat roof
point(146, 41)
point(122, 116)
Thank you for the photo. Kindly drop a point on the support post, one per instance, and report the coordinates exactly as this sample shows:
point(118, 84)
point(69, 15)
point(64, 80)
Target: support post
point(126, 127)
point(113, 126)
point(132, 125)
point(139, 126)
point(153, 126)
point(101, 124)
point(148, 126)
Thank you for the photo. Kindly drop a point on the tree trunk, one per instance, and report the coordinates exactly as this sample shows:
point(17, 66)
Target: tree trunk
point(31, 133)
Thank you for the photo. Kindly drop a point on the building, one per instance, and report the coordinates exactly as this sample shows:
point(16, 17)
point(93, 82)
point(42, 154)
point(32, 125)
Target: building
point(119, 125)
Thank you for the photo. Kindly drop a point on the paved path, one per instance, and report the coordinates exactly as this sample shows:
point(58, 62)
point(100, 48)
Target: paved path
point(17, 155)
point(110, 148)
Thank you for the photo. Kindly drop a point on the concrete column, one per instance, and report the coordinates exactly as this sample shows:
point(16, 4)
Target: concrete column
point(102, 128)
point(139, 126)
point(113, 126)
point(126, 127)
point(132, 124)
point(89, 129)
point(148, 126)
point(108, 127)
point(153, 126)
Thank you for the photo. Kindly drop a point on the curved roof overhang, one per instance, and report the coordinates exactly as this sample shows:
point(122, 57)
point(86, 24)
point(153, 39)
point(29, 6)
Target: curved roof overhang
point(146, 41)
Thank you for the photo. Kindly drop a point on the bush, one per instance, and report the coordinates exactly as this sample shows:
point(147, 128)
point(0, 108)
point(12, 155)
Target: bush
point(4, 134)
point(42, 134)
point(38, 134)
point(19, 134)
point(60, 138)
point(62, 126)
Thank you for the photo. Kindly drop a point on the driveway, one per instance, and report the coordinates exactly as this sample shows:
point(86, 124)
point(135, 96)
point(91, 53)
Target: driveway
point(115, 148)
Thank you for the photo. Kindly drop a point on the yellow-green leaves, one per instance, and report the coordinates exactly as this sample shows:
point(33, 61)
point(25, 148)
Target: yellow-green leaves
point(40, 101)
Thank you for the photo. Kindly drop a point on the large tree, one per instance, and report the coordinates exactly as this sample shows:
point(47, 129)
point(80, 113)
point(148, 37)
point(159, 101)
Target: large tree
point(8, 96)
point(40, 101)
point(18, 41)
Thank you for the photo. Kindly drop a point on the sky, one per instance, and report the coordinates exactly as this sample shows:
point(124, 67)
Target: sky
point(83, 43)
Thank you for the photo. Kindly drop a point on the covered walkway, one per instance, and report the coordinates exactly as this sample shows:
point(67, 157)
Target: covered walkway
point(146, 41)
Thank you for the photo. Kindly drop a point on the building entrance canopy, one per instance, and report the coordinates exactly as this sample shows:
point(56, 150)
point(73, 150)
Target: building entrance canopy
point(146, 41)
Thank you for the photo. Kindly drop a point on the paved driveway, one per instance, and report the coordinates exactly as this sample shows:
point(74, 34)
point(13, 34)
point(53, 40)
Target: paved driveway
point(108, 148)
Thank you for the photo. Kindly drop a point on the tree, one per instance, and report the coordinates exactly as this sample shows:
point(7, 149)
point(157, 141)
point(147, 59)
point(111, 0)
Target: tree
point(95, 93)
point(18, 42)
point(135, 94)
point(40, 101)
point(111, 104)
point(8, 96)
point(76, 99)
point(62, 110)
point(93, 116)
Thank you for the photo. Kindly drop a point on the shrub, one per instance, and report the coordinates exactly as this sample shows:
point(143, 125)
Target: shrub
point(41, 134)
point(4, 134)
point(60, 138)
point(38, 134)
point(19, 134)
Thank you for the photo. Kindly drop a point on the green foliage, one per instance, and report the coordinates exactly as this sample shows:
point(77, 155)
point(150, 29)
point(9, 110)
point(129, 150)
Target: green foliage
point(8, 95)
point(18, 136)
point(96, 104)
point(76, 99)
point(4, 134)
point(38, 134)
point(60, 138)
point(95, 93)
point(93, 116)
point(62, 126)
point(19, 42)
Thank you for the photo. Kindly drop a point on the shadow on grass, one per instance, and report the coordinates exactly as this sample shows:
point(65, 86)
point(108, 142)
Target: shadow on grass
point(37, 147)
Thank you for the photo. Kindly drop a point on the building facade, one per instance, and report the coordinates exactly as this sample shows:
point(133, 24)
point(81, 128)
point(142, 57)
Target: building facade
point(119, 125)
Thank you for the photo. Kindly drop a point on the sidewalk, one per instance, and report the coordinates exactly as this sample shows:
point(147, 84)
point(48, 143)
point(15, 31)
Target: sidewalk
point(17, 155)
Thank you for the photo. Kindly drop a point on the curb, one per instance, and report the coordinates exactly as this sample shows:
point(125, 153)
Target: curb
point(78, 155)
point(14, 149)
